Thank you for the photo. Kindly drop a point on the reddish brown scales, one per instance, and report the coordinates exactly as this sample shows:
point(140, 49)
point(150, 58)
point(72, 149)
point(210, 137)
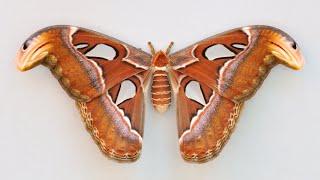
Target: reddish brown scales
point(160, 87)
point(231, 79)
point(160, 91)
point(226, 83)
point(94, 84)
point(160, 59)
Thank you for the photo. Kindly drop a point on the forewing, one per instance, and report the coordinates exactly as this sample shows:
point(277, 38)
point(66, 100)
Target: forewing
point(192, 61)
point(127, 62)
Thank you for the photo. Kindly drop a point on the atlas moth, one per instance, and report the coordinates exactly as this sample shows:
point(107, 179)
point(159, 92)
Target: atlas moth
point(117, 125)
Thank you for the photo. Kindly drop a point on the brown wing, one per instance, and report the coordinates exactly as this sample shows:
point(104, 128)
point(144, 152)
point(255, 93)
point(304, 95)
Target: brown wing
point(192, 61)
point(203, 129)
point(209, 129)
point(94, 82)
point(226, 82)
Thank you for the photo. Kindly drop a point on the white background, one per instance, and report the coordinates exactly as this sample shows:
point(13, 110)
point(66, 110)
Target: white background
point(43, 137)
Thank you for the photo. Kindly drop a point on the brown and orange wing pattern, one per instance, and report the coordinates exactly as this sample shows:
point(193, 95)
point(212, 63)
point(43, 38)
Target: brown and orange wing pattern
point(95, 82)
point(225, 82)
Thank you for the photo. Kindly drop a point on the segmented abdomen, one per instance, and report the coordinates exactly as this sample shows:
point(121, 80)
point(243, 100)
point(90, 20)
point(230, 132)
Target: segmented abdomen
point(160, 91)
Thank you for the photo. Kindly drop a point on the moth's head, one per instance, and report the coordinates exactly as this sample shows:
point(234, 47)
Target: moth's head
point(285, 49)
point(160, 59)
point(35, 49)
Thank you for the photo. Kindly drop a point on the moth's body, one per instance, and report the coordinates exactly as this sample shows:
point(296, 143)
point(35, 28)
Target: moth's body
point(160, 86)
point(226, 83)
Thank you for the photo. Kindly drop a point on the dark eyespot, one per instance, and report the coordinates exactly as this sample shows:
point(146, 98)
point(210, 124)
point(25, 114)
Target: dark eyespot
point(26, 44)
point(294, 45)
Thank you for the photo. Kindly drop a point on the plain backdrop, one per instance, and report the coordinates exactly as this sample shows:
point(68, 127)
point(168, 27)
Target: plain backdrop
point(43, 137)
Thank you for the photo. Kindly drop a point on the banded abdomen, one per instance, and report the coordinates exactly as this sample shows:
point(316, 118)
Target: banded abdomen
point(160, 91)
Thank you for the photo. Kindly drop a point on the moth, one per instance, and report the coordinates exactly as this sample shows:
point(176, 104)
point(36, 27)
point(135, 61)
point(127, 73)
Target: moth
point(117, 127)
